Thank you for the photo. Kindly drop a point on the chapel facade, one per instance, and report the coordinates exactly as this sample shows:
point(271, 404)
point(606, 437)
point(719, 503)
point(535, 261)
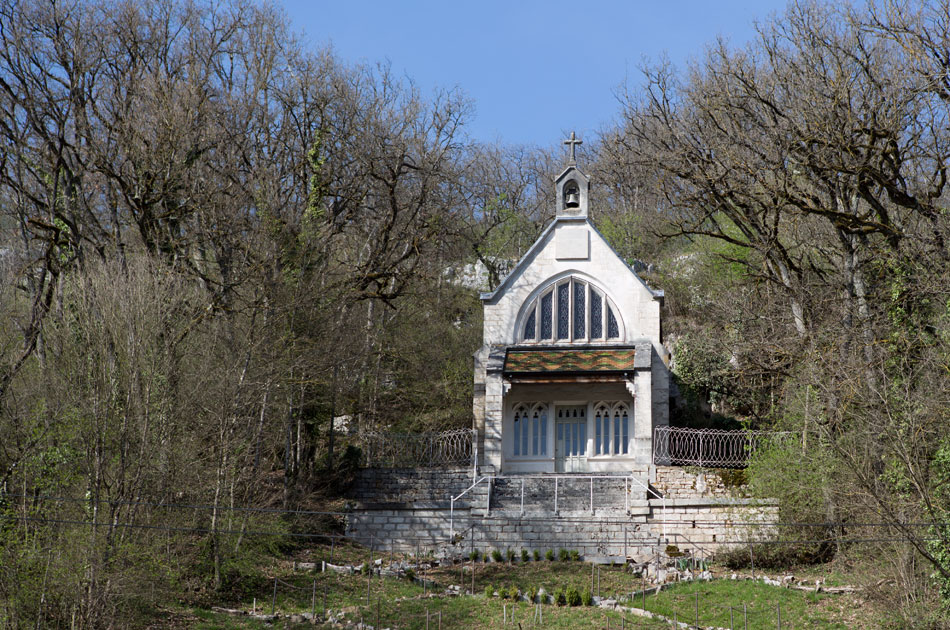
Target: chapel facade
point(572, 376)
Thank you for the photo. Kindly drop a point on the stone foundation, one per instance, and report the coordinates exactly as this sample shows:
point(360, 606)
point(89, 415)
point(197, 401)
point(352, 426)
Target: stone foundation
point(402, 510)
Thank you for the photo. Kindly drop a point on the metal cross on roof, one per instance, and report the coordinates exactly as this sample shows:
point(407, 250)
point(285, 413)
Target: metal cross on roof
point(572, 141)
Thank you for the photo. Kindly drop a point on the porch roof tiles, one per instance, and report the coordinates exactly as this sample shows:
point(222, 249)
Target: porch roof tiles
point(575, 360)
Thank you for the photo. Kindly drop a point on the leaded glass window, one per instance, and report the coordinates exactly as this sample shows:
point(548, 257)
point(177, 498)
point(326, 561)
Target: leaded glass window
point(529, 326)
point(546, 312)
point(572, 311)
point(580, 313)
point(613, 330)
point(596, 315)
point(563, 310)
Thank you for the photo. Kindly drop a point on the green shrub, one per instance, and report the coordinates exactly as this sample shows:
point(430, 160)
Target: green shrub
point(537, 555)
point(573, 597)
point(496, 555)
point(473, 556)
point(587, 598)
point(533, 595)
point(549, 555)
point(575, 555)
point(560, 598)
point(563, 555)
point(524, 555)
point(409, 574)
point(513, 593)
point(511, 555)
point(489, 591)
point(364, 568)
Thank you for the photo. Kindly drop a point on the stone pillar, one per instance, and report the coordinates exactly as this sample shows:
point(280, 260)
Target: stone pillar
point(643, 418)
point(494, 415)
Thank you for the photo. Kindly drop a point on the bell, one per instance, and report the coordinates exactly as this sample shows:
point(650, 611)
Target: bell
point(573, 200)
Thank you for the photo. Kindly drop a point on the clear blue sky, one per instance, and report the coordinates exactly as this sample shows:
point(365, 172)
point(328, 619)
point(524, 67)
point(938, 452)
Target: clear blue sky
point(534, 69)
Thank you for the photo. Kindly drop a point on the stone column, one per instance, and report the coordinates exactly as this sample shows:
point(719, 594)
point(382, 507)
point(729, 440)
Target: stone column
point(494, 416)
point(643, 418)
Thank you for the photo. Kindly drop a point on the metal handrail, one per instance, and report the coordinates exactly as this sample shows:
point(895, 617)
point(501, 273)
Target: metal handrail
point(463, 493)
point(589, 478)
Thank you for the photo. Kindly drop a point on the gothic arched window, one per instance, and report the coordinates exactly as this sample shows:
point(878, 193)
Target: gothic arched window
point(611, 428)
point(570, 310)
point(530, 430)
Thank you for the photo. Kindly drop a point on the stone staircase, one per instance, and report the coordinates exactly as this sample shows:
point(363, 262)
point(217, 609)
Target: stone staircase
point(567, 495)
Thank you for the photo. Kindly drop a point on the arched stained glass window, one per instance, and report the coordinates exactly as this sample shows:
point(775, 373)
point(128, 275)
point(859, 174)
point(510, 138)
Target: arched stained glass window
point(613, 330)
point(546, 312)
point(563, 310)
point(529, 326)
point(596, 314)
point(571, 310)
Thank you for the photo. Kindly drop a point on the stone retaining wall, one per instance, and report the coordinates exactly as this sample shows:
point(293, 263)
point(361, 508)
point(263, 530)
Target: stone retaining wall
point(688, 483)
point(705, 526)
point(409, 485)
point(397, 511)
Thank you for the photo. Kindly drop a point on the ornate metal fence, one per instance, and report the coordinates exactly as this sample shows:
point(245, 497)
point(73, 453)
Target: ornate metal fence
point(382, 449)
point(677, 446)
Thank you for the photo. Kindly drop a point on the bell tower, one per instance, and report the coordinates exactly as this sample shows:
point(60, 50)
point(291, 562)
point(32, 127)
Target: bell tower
point(572, 186)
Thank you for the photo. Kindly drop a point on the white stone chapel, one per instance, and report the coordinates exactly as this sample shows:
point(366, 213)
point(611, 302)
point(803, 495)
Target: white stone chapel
point(571, 376)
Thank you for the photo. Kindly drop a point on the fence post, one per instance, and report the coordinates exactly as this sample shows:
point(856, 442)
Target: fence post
point(700, 450)
point(273, 601)
point(474, 455)
point(313, 602)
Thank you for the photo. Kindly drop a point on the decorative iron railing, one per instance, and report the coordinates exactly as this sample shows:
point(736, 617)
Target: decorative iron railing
point(383, 449)
point(714, 448)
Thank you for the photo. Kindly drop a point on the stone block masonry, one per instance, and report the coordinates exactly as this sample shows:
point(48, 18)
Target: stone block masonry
point(408, 510)
point(674, 482)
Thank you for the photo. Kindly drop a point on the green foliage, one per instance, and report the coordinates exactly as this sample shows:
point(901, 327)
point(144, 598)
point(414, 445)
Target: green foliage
point(800, 482)
point(536, 554)
point(560, 597)
point(702, 372)
point(474, 555)
point(549, 555)
point(489, 590)
point(524, 555)
point(587, 598)
point(572, 597)
point(575, 555)
point(512, 593)
point(511, 555)
point(496, 555)
point(563, 555)
point(409, 574)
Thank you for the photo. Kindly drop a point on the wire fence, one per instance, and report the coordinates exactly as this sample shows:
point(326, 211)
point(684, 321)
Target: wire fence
point(715, 448)
point(383, 449)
